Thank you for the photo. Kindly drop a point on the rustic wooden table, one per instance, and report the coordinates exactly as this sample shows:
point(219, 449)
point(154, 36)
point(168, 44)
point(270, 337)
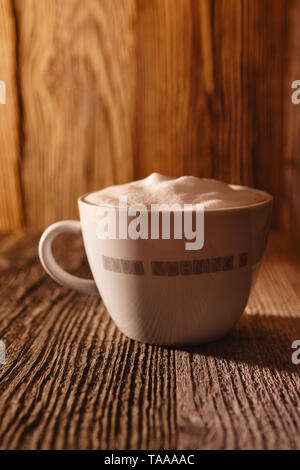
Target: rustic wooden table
point(73, 381)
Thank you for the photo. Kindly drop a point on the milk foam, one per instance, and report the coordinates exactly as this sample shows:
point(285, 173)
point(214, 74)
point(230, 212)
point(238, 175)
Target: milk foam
point(160, 189)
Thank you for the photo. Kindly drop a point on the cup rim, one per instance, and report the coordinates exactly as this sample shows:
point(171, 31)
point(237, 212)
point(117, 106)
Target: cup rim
point(268, 198)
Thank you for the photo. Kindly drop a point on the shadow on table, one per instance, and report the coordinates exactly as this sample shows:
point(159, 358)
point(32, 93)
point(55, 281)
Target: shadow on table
point(263, 340)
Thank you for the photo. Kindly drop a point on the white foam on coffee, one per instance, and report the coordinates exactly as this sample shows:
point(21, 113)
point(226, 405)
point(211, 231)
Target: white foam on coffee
point(160, 189)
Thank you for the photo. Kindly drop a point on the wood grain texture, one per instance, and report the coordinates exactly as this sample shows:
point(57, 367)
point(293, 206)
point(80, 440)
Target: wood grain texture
point(209, 90)
point(117, 89)
point(10, 195)
point(77, 71)
point(267, 44)
point(73, 381)
point(243, 392)
point(290, 214)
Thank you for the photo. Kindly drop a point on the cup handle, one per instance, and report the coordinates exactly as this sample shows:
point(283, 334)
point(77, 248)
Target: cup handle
point(50, 265)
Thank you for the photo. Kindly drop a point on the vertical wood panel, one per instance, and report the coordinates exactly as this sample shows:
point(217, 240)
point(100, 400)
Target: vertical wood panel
point(10, 201)
point(193, 111)
point(174, 89)
point(209, 90)
point(77, 79)
point(267, 46)
point(117, 89)
point(290, 208)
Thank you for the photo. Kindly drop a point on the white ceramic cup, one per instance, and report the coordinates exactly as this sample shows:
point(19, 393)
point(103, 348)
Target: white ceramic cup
point(158, 292)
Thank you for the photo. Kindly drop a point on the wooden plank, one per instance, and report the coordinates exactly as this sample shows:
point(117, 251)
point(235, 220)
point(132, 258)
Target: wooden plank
point(77, 69)
point(159, 83)
point(192, 88)
point(10, 191)
point(243, 392)
point(173, 127)
point(72, 380)
point(209, 90)
point(290, 218)
point(266, 23)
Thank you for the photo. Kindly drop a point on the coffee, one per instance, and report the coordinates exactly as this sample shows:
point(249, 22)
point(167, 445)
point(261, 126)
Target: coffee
point(160, 189)
point(156, 289)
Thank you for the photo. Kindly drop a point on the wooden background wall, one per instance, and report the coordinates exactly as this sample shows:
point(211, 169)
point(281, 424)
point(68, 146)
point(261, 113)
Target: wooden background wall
point(106, 91)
